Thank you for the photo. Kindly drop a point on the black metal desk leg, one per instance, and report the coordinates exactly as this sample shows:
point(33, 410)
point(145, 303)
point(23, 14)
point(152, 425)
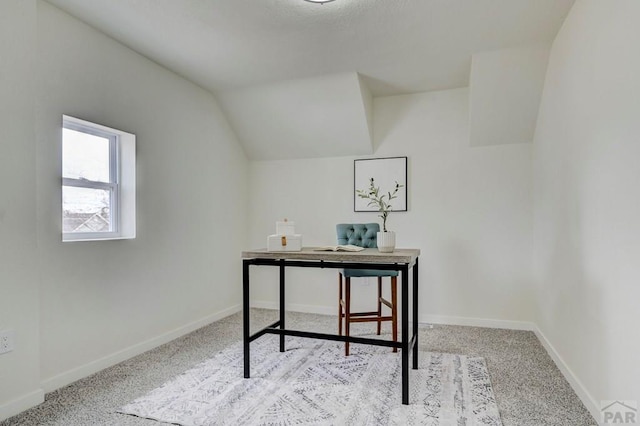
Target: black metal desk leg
point(405, 335)
point(415, 314)
point(282, 304)
point(245, 317)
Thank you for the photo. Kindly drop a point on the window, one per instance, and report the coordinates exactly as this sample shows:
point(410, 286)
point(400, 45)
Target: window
point(98, 182)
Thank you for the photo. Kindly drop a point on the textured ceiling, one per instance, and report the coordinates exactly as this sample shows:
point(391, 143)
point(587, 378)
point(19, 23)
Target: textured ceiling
point(397, 46)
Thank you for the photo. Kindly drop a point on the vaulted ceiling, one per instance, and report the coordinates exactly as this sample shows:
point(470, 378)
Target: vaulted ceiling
point(394, 46)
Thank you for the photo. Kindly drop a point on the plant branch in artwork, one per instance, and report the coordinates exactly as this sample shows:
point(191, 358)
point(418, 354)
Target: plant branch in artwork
point(381, 201)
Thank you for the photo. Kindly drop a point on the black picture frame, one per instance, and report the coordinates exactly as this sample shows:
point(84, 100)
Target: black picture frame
point(386, 172)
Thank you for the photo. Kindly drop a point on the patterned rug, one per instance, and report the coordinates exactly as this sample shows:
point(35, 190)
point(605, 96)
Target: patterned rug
point(313, 383)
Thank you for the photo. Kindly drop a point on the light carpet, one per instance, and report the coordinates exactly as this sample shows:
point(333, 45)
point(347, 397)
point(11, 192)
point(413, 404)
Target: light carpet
point(313, 383)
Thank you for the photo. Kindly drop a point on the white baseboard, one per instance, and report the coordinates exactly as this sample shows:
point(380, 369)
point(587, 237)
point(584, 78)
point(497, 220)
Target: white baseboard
point(577, 386)
point(294, 307)
point(21, 404)
point(85, 370)
point(423, 319)
point(477, 322)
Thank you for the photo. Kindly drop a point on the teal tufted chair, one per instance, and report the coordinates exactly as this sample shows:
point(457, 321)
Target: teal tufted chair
point(364, 235)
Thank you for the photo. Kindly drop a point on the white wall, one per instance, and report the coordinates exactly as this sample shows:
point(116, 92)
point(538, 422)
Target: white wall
point(586, 175)
point(19, 370)
point(99, 298)
point(287, 119)
point(78, 307)
point(504, 94)
point(469, 212)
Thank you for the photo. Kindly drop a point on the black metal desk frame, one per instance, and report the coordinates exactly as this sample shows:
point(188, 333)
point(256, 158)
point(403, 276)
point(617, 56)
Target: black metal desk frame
point(406, 344)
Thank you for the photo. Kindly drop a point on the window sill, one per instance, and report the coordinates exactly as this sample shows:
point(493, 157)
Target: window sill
point(70, 238)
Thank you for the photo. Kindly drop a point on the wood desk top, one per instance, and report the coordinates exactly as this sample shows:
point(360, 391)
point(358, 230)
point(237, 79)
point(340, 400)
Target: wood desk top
point(369, 255)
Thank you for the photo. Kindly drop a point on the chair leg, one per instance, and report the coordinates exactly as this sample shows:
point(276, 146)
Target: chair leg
point(340, 304)
point(347, 313)
point(394, 309)
point(379, 304)
point(344, 308)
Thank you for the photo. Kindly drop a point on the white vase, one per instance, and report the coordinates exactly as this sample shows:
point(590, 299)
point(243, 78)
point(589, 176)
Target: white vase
point(386, 241)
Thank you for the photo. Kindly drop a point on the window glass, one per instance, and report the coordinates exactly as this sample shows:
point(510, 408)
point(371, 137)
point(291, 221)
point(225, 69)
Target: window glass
point(98, 182)
point(85, 156)
point(86, 210)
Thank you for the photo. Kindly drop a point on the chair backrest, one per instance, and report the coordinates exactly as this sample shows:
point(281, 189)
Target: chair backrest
point(358, 234)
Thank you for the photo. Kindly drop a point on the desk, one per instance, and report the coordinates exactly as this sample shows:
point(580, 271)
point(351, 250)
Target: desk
point(401, 260)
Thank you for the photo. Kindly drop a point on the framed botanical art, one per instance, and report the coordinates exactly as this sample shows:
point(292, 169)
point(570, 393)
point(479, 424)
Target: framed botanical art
point(385, 172)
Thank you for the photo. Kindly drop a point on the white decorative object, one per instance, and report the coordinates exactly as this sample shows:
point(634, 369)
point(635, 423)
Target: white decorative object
point(386, 241)
point(284, 242)
point(285, 238)
point(285, 228)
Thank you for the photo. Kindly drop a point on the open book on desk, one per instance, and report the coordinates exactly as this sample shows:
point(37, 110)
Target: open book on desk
point(348, 247)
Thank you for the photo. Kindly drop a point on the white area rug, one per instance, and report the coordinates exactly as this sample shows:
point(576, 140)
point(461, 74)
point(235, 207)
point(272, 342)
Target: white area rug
point(313, 383)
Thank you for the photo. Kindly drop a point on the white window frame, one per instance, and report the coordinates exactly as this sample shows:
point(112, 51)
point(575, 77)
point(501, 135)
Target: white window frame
point(121, 185)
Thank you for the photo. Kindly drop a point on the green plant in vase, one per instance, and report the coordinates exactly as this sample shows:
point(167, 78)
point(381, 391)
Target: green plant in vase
point(380, 200)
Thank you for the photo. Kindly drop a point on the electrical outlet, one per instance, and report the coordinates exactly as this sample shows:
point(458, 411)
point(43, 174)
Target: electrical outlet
point(6, 341)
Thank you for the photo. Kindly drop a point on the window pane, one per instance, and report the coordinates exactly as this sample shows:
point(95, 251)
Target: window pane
point(85, 156)
point(85, 210)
